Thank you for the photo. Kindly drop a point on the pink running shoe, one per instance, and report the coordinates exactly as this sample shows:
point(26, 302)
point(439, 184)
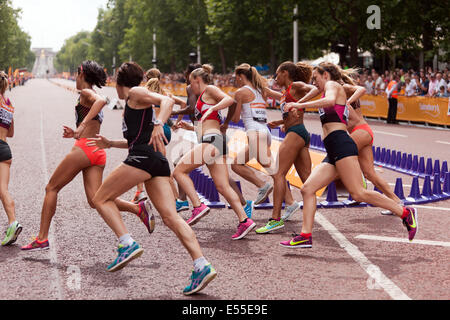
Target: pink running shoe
point(36, 245)
point(243, 229)
point(197, 214)
point(297, 242)
point(146, 216)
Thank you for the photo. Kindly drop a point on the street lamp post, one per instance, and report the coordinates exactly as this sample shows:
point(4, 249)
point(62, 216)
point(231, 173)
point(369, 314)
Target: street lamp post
point(295, 34)
point(154, 61)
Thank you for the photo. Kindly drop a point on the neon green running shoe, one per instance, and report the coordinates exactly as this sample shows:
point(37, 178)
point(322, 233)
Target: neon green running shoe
point(364, 182)
point(12, 233)
point(272, 225)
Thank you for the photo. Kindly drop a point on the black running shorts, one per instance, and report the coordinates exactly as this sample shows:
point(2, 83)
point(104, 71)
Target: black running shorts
point(144, 157)
point(339, 145)
point(5, 151)
point(218, 141)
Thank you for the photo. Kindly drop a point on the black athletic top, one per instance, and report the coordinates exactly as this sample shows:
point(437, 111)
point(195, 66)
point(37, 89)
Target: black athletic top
point(82, 111)
point(137, 125)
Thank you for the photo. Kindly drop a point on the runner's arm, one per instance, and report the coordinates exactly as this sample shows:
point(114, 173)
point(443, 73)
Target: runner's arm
point(328, 101)
point(97, 106)
point(358, 92)
point(11, 130)
point(272, 93)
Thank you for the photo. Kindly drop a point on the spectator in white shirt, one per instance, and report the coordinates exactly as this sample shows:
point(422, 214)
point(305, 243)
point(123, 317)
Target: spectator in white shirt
point(369, 84)
point(378, 81)
point(433, 85)
point(410, 87)
point(441, 81)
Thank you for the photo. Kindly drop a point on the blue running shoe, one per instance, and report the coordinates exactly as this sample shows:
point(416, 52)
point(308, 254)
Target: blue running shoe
point(182, 205)
point(249, 208)
point(126, 255)
point(199, 280)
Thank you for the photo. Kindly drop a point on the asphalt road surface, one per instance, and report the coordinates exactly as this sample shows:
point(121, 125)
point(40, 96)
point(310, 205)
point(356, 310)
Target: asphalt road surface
point(347, 256)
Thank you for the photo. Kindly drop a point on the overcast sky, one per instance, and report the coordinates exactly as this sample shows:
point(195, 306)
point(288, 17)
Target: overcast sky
point(50, 22)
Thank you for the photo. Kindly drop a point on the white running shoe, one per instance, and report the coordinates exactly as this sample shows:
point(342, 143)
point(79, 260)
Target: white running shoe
point(263, 193)
point(289, 210)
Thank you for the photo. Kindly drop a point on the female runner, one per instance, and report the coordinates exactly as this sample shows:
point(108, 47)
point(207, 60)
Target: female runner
point(362, 134)
point(211, 151)
point(82, 157)
point(145, 163)
point(295, 147)
point(251, 108)
point(342, 158)
point(7, 131)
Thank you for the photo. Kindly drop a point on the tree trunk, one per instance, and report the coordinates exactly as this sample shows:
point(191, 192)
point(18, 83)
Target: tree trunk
point(354, 34)
point(273, 58)
point(222, 59)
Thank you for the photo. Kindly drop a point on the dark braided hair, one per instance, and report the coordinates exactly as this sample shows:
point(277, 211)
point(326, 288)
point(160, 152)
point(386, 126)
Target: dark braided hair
point(94, 74)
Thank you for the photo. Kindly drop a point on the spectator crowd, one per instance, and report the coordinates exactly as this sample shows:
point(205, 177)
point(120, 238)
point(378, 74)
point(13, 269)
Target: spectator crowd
point(426, 82)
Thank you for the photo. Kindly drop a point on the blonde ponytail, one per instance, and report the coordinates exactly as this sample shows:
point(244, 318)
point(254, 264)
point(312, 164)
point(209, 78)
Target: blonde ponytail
point(205, 72)
point(252, 75)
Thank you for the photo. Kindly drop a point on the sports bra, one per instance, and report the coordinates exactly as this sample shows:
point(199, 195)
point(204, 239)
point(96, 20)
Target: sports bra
point(82, 111)
point(137, 125)
point(256, 109)
point(6, 113)
point(287, 98)
point(201, 107)
point(337, 113)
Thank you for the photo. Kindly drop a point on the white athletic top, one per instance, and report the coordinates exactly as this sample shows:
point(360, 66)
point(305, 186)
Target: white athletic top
point(254, 110)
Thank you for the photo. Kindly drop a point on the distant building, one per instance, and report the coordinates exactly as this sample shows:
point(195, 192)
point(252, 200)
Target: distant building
point(43, 66)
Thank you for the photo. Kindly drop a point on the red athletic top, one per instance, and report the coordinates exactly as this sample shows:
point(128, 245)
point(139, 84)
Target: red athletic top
point(201, 108)
point(287, 98)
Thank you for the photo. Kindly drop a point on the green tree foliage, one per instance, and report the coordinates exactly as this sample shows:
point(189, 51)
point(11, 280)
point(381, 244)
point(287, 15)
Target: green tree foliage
point(231, 32)
point(15, 44)
point(74, 51)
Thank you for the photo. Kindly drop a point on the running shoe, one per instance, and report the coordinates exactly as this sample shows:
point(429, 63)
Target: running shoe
point(411, 223)
point(126, 255)
point(182, 205)
point(290, 210)
point(36, 245)
point(297, 242)
point(243, 229)
point(146, 216)
point(12, 233)
point(263, 193)
point(139, 196)
point(199, 280)
point(272, 225)
point(249, 208)
point(387, 213)
point(197, 214)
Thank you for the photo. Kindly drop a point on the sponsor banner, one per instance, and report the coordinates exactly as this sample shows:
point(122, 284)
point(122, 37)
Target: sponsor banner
point(419, 109)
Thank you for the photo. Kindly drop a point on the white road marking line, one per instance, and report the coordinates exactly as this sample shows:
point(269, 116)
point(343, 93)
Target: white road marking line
point(56, 282)
point(443, 142)
point(389, 287)
point(391, 134)
point(403, 240)
point(433, 208)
